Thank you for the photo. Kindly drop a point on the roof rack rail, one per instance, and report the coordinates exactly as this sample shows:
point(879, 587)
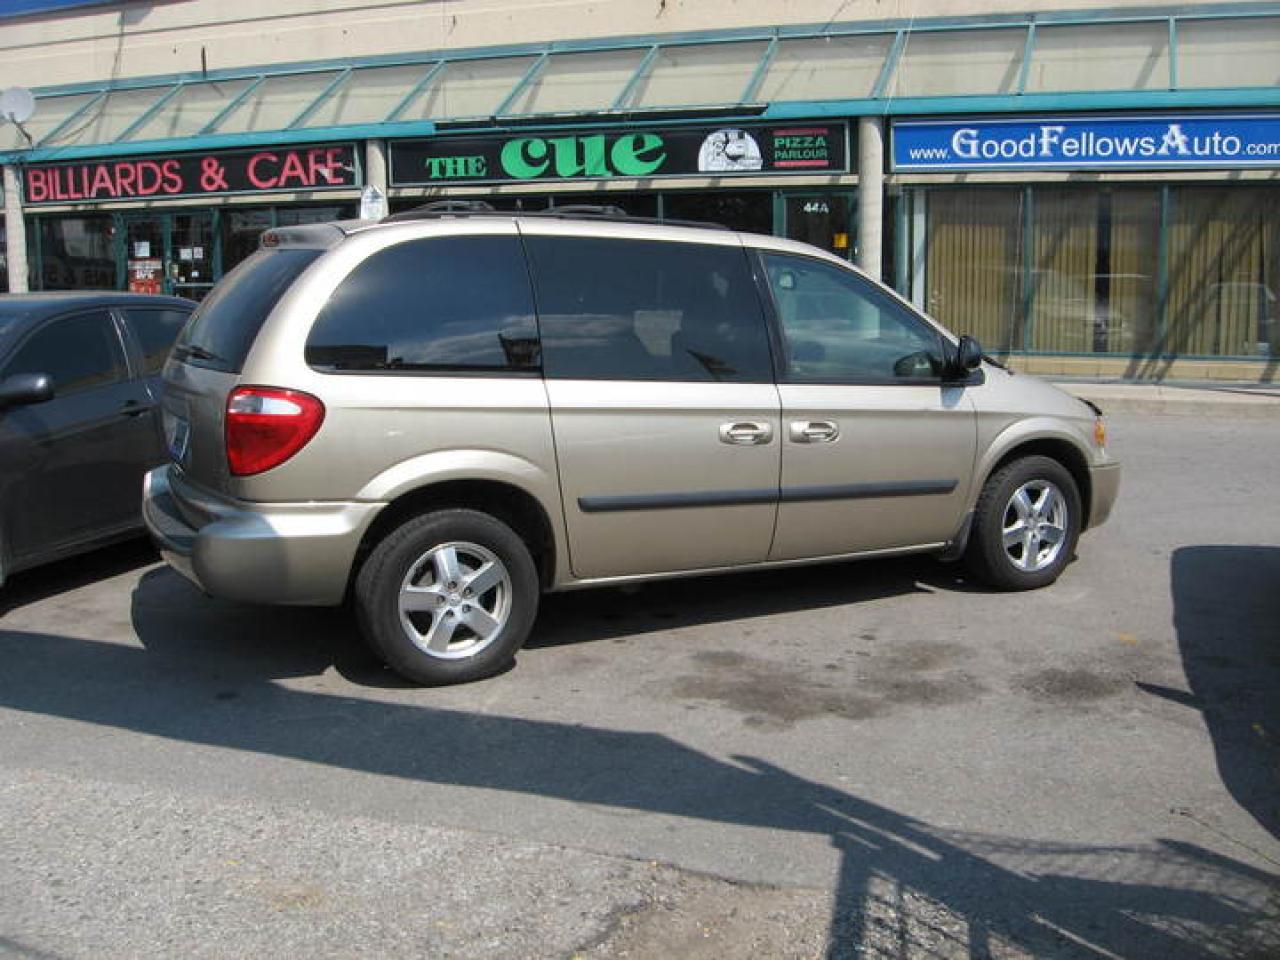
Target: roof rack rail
point(571, 211)
point(441, 208)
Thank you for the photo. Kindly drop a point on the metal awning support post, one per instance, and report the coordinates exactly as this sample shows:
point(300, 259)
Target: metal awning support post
point(15, 231)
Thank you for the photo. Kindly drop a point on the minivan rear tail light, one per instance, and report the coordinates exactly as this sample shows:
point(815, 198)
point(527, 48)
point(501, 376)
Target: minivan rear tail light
point(265, 426)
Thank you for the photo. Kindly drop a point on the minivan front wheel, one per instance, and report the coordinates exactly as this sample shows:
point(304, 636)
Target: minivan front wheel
point(1025, 525)
point(448, 597)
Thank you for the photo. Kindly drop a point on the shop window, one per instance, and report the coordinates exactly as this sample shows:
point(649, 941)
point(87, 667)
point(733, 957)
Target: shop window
point(973, 270)
point(457, 304)
point(642, 310)
point(297, 216)
point(1092, 283)
point(242, 228)
point(751, 211)
point(77, 253)
point(1224, 272)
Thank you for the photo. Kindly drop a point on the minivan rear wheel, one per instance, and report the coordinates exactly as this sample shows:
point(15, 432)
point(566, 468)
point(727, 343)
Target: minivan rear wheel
point(448, 597)
point(1025, 525)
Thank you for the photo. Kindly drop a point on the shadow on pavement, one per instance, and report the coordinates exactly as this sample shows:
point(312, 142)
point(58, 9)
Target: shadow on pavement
point(898, 874)
point(1226, 602)
point(40, 583)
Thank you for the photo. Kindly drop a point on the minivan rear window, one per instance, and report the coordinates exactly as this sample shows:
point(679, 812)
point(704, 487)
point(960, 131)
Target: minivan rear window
point(223, 328)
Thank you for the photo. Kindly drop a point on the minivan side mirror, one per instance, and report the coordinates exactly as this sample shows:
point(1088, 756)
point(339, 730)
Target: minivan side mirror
point(20, 389)
point(965, 358)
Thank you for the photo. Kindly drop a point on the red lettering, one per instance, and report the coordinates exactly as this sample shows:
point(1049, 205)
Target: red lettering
point(37, 186)
point(172, 176)
point(102, 185)
point(293, 170)
point(126, 178)
point(322, 170)
point(337, 169)
point(149, 178)
point(261, 182)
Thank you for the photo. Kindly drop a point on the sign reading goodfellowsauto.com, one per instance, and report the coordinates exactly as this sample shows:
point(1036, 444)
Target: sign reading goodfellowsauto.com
point(1054, 143)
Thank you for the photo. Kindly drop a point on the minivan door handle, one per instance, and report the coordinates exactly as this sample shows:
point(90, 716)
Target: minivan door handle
point(813, 431)
point(746, 432)
point(133, 408)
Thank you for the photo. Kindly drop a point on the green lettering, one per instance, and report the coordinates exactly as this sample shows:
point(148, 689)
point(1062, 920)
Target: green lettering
point(638, 154)
point(524, 159)
point(580, 156)
point(455, 168)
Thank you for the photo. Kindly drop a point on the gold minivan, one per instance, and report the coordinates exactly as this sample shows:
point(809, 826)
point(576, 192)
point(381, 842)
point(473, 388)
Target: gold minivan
point(445, 413)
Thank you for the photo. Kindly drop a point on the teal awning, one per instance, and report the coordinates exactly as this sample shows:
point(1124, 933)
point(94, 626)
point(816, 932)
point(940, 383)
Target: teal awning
point(1215, 57)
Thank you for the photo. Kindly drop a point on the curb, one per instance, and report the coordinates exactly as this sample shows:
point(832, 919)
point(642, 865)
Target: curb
point(1241, 402)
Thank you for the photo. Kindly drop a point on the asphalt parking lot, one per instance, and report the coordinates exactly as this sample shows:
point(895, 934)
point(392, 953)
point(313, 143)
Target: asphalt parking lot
point(862, 760)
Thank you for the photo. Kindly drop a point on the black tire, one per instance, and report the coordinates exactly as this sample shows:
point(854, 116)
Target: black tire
point(1016, 567)
point(410, 560)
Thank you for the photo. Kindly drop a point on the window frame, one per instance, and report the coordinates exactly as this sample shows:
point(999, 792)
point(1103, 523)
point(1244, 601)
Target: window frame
point(767, 375)
point(122, 346)
point(946, 341)
point(534, 371)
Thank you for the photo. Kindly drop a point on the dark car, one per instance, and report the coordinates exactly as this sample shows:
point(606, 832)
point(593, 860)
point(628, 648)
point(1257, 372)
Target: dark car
point(79, 417)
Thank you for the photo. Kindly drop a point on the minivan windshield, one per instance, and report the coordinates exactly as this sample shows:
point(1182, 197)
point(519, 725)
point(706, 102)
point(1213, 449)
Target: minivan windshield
point(223, 328)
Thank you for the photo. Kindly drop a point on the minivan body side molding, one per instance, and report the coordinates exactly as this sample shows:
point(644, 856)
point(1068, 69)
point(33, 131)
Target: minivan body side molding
point(727, 498)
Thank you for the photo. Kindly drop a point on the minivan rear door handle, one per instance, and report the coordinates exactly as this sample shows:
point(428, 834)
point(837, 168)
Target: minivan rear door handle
point(813, 431)
point(746, 432)
point(133, 408)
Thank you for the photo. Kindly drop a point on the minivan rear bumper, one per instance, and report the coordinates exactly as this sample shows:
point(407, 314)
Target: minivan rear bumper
point(277, 553)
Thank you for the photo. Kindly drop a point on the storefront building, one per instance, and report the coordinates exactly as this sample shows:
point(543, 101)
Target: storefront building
point(1091, 194)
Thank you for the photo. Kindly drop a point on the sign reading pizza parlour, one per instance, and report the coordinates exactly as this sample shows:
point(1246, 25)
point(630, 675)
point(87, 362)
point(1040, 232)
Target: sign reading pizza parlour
point(608, 154)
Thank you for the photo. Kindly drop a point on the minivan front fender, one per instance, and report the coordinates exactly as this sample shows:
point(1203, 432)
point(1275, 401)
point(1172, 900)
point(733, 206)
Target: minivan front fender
point(1046, 436)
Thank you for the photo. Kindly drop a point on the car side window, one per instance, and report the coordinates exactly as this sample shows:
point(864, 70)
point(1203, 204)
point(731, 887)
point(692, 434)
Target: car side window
point(440, 304)
point(647, 310)
point(79, 352)
point(155, 330)
point(840, 328)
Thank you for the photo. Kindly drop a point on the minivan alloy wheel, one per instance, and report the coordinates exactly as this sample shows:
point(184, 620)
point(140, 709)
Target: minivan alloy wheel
point(1034, 528)
point(455, 600)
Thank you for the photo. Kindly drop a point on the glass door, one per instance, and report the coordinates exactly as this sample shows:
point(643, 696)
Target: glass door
point(822, 219)
point(145, 262)
point(191, 247)
point(169, 253)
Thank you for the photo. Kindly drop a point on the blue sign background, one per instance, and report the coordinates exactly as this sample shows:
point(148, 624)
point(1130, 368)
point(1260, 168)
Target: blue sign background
point(1119, 142)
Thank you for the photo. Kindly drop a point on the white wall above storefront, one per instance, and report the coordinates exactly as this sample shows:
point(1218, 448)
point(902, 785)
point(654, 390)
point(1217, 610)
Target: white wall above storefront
point(117, 41)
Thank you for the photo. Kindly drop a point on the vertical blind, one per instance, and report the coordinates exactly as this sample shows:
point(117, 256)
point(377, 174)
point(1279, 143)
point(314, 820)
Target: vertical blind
point(1091, 280)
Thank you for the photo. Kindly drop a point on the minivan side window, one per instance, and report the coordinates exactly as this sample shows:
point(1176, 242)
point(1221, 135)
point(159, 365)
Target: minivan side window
point(647, 310)
point(79, 353)
point(438, 304)
point(840, 328)
point(155, 330)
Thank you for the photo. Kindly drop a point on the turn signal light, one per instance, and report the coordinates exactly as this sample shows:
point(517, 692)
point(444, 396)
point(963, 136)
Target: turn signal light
point(265, 426)
point(1100, 432)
